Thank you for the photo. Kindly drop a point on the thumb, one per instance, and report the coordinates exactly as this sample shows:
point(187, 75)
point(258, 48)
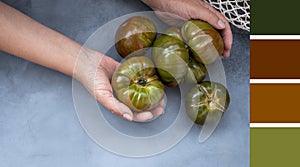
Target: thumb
point(205, 13)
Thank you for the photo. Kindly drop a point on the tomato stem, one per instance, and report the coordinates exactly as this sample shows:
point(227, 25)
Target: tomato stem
point(142, 81)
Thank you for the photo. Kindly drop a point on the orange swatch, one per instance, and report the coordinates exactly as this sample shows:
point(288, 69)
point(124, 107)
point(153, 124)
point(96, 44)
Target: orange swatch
point(275, 103)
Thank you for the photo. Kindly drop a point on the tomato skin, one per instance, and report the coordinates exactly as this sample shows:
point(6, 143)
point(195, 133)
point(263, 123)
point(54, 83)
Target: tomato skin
point(204, 98)
point(170, 56)
point(205, 42)
point(135, 35)
point(196, 72)
point(174, 32)
point(136, 85)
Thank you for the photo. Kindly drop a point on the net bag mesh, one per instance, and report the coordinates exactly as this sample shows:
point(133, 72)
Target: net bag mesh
point(236, 11)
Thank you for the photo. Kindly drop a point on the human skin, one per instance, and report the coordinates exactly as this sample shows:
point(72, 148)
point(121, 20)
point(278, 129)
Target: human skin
point(24, 37)
point(177, 10)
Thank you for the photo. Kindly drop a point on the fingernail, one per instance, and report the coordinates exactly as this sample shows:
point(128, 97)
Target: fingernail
point(221, 24)
point(127, 116)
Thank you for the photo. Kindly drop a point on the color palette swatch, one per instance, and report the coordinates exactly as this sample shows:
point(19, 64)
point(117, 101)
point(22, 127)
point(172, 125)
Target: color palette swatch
point(274, 84)
point(274, 103)
point(274, 147)
point(275, 58)
point(274, 100)
point(275, 17)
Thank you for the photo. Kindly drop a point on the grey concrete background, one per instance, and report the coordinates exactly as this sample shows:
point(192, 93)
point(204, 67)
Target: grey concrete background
point(38, 124)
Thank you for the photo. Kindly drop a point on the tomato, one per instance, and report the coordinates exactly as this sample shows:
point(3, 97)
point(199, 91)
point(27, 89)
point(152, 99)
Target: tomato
point(196, 71)
point(205, 42)
point(136, 85)
point(174, 32)
point(204, 98)
point(170, 55)
point(135, 35)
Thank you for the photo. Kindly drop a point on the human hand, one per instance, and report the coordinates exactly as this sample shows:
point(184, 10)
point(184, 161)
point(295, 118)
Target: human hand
point(42, 45)
point(94, 71)
point(173, 12)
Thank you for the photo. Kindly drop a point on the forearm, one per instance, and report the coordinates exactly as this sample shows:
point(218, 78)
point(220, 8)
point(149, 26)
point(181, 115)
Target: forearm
point(28, 39)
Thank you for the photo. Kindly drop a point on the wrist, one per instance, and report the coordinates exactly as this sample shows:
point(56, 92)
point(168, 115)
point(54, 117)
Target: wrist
point(86, 63)
point(69, 53)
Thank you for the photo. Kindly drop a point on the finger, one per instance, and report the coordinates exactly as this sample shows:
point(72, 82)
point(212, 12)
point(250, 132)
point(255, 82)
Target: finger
point(106, 98)
point(212, 9)
point(226, 53)
point(142, 116)
point(160, 109)
point(227, 37)
point(157, 111)
point(226, 32)
point(203, 13)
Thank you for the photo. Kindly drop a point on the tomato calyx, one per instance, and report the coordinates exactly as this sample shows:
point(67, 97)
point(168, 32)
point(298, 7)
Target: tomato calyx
point(144, 81)
point(211, 101)
point(141, 81)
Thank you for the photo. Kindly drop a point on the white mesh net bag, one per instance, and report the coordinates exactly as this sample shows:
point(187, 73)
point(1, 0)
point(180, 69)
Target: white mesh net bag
point(236, 11)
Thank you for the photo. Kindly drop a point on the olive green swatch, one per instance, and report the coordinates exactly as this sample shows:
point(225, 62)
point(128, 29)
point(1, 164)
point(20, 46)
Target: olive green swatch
point(275, 147)
point(275, 17)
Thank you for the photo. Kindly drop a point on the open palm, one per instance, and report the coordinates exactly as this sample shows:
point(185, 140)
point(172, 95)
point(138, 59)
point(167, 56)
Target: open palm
point(96, 78)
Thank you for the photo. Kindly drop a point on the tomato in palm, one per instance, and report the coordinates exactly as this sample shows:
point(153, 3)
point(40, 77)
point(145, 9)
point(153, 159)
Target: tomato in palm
point(136, 85)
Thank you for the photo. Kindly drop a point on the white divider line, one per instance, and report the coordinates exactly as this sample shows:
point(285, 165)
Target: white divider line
point(279, 81)
point(274, 37)
point(274, 125)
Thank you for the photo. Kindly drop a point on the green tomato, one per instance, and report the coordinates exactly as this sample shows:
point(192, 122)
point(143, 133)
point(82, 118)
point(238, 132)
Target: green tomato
point(135, 35)
point(170, 56)
point(205, 42)
point(174, 32)
point(204, 98)
point(136, 85)
point(196, 72)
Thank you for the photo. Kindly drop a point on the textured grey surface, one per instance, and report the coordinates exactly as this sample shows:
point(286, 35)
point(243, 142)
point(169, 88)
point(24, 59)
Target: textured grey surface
point(38, 124)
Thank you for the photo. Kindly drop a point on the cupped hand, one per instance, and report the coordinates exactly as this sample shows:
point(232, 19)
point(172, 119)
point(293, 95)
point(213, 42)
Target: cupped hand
point(174, 12)
point(94, 70)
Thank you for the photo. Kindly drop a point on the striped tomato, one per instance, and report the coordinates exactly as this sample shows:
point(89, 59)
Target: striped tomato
point(205, 42)
point(136, 85)
point(135, 35)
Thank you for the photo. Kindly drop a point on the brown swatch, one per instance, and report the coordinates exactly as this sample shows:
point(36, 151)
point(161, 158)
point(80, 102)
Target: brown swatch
point(275, 59)
point(278, 103)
